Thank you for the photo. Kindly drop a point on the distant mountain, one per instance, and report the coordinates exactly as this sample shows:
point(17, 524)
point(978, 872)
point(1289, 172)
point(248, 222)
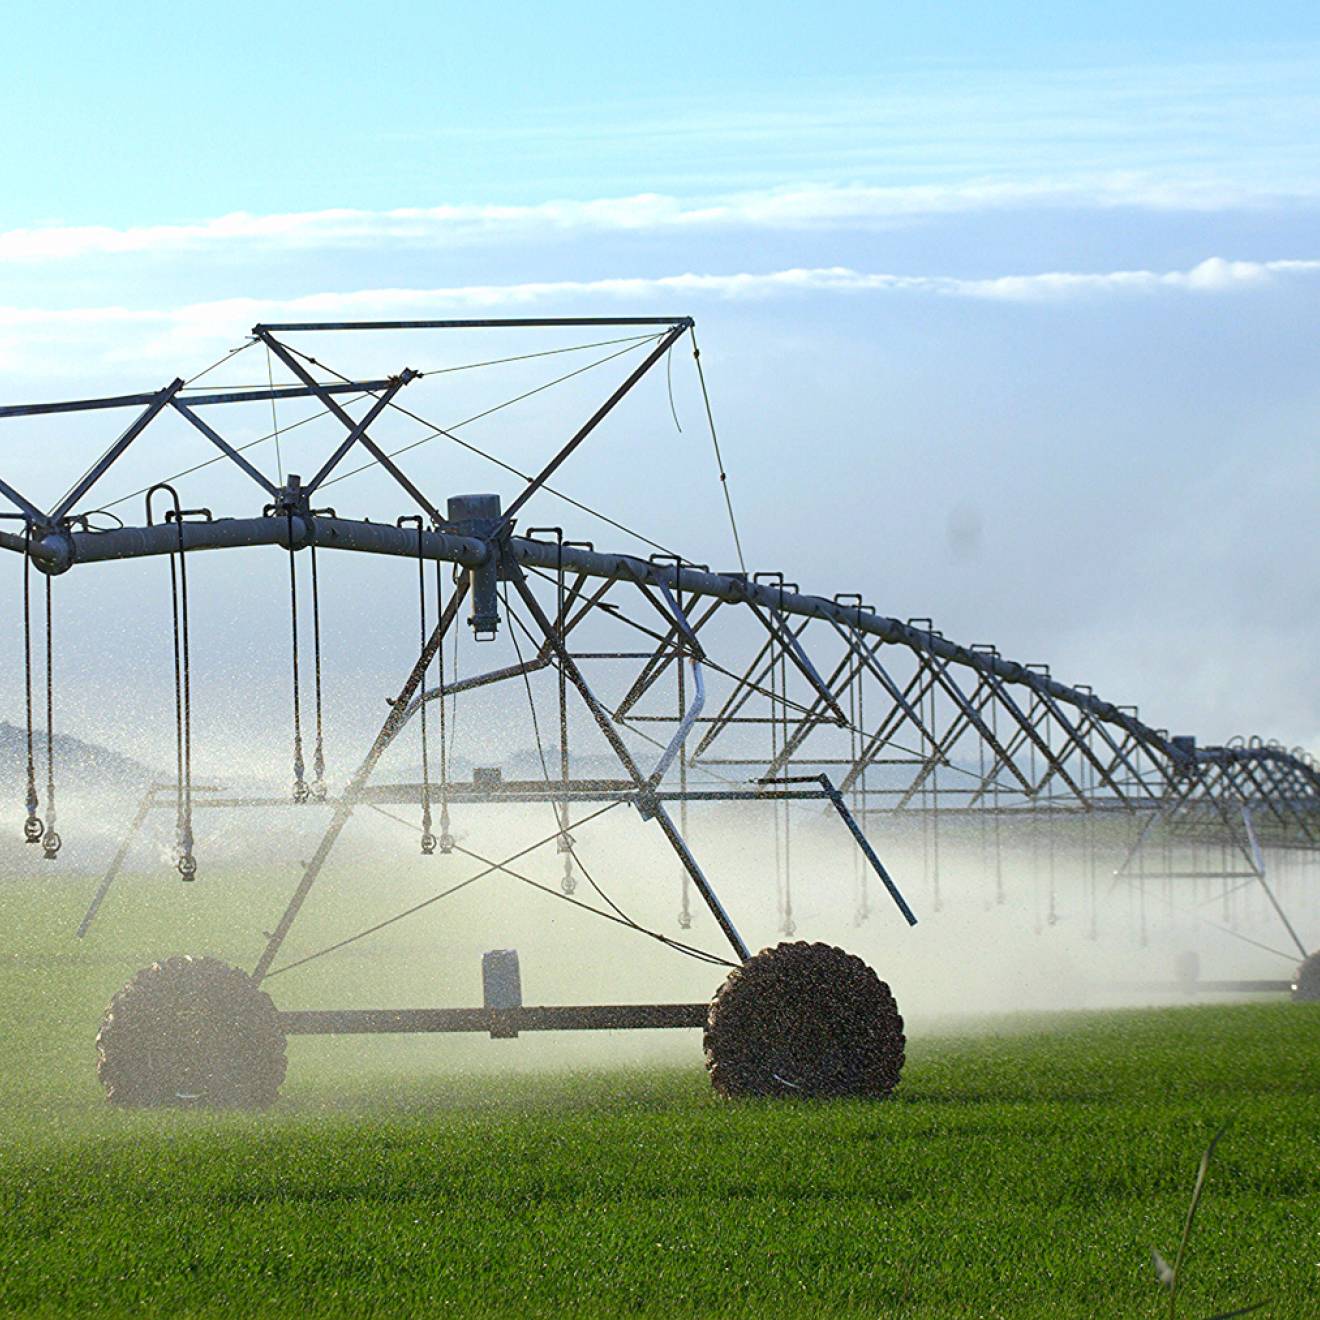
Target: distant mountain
point(80, 767)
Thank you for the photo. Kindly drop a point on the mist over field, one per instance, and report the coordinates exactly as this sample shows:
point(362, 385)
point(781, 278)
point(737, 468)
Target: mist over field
point(1067, 934)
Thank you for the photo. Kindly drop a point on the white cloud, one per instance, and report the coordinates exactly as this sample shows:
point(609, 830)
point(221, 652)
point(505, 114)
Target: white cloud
point(30, 336)
point(797, 207)
point(1214, 275)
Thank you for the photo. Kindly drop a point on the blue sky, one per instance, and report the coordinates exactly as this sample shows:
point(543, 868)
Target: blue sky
point(1050, 276)
point(140, 113)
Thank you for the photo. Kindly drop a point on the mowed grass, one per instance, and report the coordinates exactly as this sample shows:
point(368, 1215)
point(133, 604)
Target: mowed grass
point(1024, 1168)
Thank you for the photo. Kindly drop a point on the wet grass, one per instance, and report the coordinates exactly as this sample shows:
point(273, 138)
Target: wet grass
point(1026, 1170)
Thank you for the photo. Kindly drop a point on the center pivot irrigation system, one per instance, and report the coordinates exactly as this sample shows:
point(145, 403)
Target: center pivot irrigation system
point(686, 674)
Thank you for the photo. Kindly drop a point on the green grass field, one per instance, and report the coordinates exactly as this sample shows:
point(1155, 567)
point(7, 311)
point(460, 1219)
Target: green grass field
point(1024, 1169)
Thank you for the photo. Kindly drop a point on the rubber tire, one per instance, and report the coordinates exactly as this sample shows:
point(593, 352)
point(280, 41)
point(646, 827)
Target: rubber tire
point(804, 1020)
point(1306, 984)
point(191, 1032)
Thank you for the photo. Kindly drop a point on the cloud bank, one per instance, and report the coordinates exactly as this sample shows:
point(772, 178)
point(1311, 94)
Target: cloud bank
point(806, 206)
point(117, 335)
point(1214, 275)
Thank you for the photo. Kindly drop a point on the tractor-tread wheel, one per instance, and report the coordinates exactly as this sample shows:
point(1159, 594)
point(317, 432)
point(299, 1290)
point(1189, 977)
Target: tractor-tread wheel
point(191, 1032)
point(807, 1020)
point(1306, 983)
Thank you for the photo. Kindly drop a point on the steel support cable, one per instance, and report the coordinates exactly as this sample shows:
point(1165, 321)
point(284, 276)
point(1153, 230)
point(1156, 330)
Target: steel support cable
point(33, 828)
point(937, 756)
point(318, 755)
point(789, 927)
point(690, 950)
point(567, 882)
point(622, 916)
point(1227, 909)
point(486, 412)
point(685, 880)
point(775, 806)
point(527, 683)
point(219, 362)
point(185, 862)
point(446, 840)
point(1141, 893)
point(860, 796)
point(428, 840)
point(719, 460)
point(1251, 883)
point(1094, 927)
point(50, 839)
point(447, 432)
point(300, 790)
point(981, 816)
point(996, 788)
point(436, 371)
point(453, 715)
point(565, 843)
point(782, 904)
point(427, 902)
point(1052, 916)
point(622, 919)
point(274, 417)
point(547, 352)
point(854, 754)
point(860, 806)
point(180, 817)
point(1226, 930)
point(1035, 832)
point(516, 620)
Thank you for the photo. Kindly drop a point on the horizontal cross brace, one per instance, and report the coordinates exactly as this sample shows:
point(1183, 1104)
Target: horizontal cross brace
point(192, 400)
point(497, 1021)
point(499, 323)
point(509, 792)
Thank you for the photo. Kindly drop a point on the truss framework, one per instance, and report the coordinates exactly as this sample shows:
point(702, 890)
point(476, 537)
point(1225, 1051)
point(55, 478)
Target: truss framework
point(752, 689)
